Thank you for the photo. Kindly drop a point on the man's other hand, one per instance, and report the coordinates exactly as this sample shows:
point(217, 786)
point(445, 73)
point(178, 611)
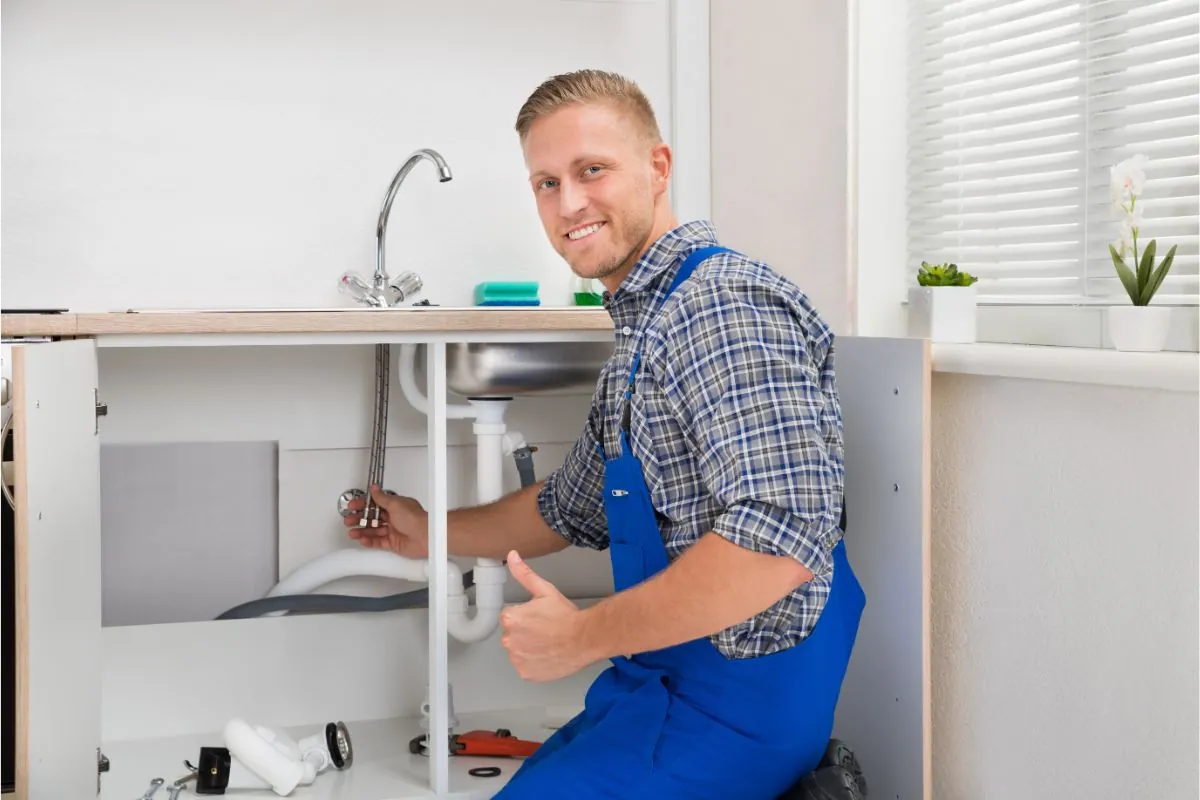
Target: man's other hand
point(543, 637)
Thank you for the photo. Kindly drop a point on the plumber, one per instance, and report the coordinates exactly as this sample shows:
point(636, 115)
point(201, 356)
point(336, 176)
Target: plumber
point(710, 467)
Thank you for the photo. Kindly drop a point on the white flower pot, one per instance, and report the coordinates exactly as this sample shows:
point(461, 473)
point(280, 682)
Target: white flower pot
point(942, 313)
point(1139, 329)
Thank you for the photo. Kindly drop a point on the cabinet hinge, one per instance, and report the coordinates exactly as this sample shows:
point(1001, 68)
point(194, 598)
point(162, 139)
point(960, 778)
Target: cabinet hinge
point(101, 410)
point(102, 766)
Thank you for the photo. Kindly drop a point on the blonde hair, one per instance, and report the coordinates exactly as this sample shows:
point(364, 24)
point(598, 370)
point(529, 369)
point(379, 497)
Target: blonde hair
point(585, 86)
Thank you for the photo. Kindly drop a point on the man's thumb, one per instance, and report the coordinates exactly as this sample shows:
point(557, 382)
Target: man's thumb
point(535, 584)
point(381, 497)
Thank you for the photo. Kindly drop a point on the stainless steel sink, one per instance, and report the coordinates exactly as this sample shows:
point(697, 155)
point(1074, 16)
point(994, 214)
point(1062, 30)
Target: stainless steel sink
point(511, 369)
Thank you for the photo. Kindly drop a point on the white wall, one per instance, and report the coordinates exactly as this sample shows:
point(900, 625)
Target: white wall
point(779, 106)
point(230, 154)
point(1065, 534)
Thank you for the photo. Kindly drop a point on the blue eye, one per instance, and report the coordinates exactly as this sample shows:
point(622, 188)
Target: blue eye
point(546, 184)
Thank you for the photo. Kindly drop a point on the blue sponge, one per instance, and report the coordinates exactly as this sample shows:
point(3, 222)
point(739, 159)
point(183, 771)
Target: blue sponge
point(507, 293)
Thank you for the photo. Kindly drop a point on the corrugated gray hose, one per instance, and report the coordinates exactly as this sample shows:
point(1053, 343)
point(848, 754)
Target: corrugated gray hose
point(343, 603)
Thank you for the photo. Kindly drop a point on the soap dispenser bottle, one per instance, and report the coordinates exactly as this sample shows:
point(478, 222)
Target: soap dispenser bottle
point(587, 291)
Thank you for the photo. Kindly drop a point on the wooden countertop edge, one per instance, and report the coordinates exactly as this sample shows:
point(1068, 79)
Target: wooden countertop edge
point(400, 320)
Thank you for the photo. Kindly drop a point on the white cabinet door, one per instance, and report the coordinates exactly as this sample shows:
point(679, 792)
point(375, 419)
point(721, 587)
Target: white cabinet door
point(57, 494)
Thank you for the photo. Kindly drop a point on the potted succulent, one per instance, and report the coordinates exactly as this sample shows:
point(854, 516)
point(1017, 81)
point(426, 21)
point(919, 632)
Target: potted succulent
point(941, 307)
point(1138, 327)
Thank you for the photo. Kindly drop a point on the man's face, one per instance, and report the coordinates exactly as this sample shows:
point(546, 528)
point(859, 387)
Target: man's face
point(595, 178)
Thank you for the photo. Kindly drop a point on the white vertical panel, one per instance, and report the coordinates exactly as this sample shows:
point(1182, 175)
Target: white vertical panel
point(878, 155)
point(885, 711)
point(852, 39)
point(439, 669)
point(57, 494)
point(691, 131)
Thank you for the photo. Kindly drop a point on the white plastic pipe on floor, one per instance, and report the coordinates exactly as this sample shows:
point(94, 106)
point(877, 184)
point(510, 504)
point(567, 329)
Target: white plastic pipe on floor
point(267, 758)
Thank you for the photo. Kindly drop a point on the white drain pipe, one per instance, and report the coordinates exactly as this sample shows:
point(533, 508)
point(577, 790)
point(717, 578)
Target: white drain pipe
point(490, 574)
point(416, 399)
point(350, 563)
point(357, 563)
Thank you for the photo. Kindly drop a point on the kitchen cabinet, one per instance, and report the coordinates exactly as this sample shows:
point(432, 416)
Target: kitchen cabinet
point(176, 683)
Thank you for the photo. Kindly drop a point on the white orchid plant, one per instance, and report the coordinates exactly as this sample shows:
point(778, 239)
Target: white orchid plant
point(1142, 279)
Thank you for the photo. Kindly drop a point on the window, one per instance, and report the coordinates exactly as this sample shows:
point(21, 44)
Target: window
point(1017, 111)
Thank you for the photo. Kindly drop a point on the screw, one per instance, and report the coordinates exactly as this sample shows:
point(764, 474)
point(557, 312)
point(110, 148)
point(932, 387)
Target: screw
point(37, 403)
point(896, 391)
point(895, 487)
point(39, 515)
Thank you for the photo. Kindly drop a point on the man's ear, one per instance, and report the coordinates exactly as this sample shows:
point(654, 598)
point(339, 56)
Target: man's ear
point(661, 161)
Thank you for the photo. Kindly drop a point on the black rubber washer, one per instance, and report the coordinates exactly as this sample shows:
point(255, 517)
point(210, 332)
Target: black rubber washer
point(483, 772)
point(331, 732)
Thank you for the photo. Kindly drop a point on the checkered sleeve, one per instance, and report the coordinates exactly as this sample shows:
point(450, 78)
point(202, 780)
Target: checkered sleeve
point(571, 499)
point(751, 389)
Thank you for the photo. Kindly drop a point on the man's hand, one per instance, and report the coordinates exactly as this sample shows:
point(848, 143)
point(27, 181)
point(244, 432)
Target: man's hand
point(543, 636)
point(406, 525)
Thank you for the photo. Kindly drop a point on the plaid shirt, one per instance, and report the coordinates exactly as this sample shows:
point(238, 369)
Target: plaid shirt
point(735, 419)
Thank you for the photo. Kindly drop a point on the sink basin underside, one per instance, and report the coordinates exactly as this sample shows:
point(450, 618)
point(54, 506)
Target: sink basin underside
point(503, 369)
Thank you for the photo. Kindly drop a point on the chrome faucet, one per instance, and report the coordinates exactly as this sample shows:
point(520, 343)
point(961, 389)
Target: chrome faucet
point(382, 291)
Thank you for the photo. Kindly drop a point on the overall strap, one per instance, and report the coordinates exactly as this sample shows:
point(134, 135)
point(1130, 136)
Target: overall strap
point(684, 272)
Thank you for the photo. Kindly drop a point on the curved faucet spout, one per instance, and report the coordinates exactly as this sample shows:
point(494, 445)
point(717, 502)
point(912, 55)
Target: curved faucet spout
point(385, 212)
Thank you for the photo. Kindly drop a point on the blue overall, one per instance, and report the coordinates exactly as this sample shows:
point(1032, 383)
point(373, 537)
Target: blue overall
point(686, 722)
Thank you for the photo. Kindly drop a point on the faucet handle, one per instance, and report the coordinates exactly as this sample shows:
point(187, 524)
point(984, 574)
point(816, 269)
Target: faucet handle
point(351, 284)
point(404, 287)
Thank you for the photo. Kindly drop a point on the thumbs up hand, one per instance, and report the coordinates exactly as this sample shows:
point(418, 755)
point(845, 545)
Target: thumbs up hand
point(543, 637)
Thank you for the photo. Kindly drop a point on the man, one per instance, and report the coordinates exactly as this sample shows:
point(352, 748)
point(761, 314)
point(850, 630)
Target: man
point(711, 468)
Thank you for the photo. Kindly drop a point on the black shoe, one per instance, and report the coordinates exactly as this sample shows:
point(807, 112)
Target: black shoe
point(827, 783)
point(837, 754)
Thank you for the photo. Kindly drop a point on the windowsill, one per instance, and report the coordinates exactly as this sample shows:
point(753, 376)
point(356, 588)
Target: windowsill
point(1169, 371)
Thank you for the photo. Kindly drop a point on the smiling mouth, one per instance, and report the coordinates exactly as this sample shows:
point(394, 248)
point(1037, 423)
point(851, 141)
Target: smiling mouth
point(585, 231)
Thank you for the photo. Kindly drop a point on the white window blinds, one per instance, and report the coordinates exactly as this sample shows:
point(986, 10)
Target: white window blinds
point(1017, 111)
